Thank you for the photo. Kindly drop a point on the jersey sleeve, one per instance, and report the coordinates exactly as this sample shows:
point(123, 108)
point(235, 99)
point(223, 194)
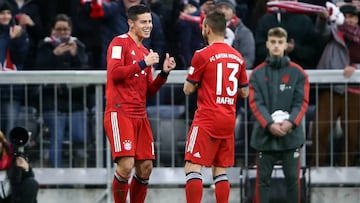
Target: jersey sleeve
point(196, 69)
point(116, 60)
point(243, 79)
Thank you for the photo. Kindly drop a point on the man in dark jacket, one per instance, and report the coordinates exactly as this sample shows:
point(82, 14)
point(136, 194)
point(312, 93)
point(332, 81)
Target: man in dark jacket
point(304, 47)
point(279, 96)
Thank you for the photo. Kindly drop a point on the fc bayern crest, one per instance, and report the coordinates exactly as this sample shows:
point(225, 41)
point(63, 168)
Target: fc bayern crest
point(127, 144)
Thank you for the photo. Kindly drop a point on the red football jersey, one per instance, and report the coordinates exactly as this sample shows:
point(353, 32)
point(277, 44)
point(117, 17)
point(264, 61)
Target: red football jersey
point(127, 86)
point(219, 70)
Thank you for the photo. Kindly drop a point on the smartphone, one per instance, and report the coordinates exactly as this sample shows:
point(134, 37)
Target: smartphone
point(65, 39)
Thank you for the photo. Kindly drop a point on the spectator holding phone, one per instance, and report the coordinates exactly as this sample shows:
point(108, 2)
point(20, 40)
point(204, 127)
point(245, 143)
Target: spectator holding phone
point(61, 51)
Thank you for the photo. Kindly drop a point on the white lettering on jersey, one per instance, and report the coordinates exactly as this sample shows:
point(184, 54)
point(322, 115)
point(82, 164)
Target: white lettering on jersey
point(133, 52)
point(226, 55)
point(191, 70)
point(224, 100)
point(116, 52)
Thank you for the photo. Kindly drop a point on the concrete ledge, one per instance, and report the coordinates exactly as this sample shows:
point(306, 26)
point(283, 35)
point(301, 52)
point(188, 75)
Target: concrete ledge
point(176, 176)
point(336, 176)
point(101, 176)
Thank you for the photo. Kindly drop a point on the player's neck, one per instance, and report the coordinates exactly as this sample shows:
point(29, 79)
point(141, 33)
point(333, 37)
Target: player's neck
point(216, 39)
point(135, 37)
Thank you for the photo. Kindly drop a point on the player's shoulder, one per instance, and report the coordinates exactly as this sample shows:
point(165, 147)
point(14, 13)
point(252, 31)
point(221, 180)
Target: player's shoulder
point(120, 38)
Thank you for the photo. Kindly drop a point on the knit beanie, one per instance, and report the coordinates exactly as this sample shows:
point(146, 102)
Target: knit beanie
point(230, 3)
point(4, 6)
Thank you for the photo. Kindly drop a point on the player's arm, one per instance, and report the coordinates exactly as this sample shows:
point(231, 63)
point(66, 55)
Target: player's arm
point(189, 88)
point(243, 92)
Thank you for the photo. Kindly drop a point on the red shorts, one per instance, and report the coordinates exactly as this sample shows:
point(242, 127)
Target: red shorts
point(209, 151)
point(129, 136)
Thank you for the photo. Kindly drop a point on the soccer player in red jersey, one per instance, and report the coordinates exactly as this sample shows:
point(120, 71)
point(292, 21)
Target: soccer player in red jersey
point(218, 73)
point(129, 83)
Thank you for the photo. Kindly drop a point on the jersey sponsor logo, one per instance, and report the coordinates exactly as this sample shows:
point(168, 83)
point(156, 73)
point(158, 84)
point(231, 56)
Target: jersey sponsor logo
point(133, 52)
point(116, 52)
point(127, 145)
point(191, 70)
point(284, 87)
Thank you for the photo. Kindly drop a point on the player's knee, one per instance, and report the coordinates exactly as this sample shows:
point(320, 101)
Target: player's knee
point(125, 166)
point(144, 169)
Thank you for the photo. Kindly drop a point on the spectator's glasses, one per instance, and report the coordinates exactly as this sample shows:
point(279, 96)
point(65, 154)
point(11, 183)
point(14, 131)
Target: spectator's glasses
point(62, 29)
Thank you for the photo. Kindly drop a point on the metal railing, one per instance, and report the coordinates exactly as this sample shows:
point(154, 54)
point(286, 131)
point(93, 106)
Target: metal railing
point(169, 114)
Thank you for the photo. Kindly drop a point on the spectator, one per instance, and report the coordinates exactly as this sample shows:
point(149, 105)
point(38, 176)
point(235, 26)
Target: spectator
point(13, 49)
point(114, 21)
point(64, 106)
point(237, 34)
point(19, 185)
point(129, 82)
point(303, 47)
point(28, 16)
point(341, 52)
point(218, 73)
point(190, 38)
point(279, 96)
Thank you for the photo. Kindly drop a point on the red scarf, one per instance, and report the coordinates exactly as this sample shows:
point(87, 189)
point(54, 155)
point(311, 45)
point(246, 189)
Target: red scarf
point(8, 64)
point(351, 33)
point(6, 158)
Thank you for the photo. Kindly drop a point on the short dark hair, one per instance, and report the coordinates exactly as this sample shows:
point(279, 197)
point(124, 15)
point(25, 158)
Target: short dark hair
point(277, 32)
point(216, 20)
point(136, 10)
point(62, 17)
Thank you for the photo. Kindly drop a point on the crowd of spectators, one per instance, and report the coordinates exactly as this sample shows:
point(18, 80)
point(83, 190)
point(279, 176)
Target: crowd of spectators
point(37, 41)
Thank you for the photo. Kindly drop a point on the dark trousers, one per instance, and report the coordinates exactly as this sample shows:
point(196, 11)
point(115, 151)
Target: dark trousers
point(325, 121)
point(26, 192)
point(290, 160)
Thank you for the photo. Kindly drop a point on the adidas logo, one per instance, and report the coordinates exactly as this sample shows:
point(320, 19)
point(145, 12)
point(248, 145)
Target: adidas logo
point(197, 155)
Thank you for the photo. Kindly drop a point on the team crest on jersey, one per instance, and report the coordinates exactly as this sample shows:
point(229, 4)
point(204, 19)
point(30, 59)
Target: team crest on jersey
point(127, 145)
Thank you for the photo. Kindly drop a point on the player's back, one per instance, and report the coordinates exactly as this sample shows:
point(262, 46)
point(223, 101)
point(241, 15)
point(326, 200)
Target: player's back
point(217, 91)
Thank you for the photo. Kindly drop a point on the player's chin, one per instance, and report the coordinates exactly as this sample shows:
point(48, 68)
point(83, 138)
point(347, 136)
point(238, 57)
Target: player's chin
point(146, 35)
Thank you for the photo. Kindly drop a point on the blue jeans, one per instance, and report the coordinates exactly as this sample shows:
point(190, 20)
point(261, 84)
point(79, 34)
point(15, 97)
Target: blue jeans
point(59, 126)
point(9, 112)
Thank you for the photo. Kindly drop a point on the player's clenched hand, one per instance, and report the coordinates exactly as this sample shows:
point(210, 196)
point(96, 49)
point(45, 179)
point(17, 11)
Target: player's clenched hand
point(169, 63)
point(152, 58)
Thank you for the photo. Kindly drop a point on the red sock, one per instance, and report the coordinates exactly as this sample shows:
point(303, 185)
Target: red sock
point(222, 191)
point(138, 189)
point(193, 187)
point(120, 187)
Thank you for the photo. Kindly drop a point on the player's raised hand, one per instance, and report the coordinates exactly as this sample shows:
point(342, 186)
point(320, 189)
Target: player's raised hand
point(169, 63)
point(152, 58)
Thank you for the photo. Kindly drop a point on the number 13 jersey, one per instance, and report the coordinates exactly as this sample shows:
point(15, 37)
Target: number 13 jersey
point(218, 70)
